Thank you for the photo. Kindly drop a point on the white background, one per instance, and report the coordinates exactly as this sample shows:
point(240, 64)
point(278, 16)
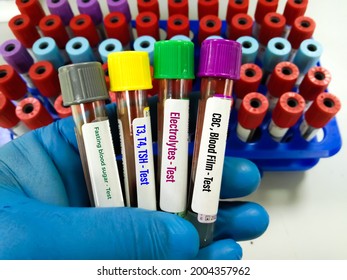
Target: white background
point(308, 210)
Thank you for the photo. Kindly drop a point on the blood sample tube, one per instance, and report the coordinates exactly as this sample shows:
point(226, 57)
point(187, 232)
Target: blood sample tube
point(32, 8)
point(286, 114)
point(250, 48)
point(83, 26)
point(301, 30)
point(62, 111)
point(219, 66)
point(84, 89)
point(79, 50)
point(24, 30)
point(272, 26)
point(116, 27)
point(177, 25)
point(208, 26)
point(250, 77)
point(45, 48)
point(174, 67)
point(107, 46)
point(292, 10)
point(93, 9)
point(322, 110)
point(250, 116)
point(130, 77)
point(262, 8)
point(145, 44)
point(107, 80)
point(315, 82)
point(32, 112)
point(147, 24)
point(236, 7)
point(62, 9)
point(155, 82)
point(149, 6)
point(11, 84)
point(240, 25)
point(178, 7)
point(282, 80)
point(207, 7)
point(8, 117)
point(16, 55)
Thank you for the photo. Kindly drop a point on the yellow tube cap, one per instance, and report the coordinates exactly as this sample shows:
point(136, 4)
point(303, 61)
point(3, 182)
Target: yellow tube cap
point(129, 70)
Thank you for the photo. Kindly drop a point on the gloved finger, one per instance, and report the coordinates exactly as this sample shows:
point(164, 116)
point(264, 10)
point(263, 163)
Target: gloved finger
point(240, 177)
point(240, 221)
point(33, 230)
point(226, 249)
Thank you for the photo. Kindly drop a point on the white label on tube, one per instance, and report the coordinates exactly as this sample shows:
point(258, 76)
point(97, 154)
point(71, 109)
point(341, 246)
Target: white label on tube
point(144, 163)
point(102, 164)
point(174, 163)
point(211, 158)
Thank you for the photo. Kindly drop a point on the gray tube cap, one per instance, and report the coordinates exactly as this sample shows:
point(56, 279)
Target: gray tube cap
point(82, 83)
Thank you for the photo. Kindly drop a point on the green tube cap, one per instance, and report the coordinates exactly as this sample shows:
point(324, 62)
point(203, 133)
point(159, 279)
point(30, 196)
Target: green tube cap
point(174, 60)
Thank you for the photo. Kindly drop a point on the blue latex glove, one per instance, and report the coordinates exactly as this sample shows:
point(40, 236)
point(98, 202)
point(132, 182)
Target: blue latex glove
point(43, 213)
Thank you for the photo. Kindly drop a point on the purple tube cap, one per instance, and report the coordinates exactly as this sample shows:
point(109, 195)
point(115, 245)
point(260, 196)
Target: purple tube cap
point(92, 8)
point(16, 55)
point(121, 6)
point(61, 8)
point(220, 58)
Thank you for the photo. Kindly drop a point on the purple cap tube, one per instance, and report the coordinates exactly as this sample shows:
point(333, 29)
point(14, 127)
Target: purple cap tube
point(121, 6)
point(61, 8)
point(91, 8)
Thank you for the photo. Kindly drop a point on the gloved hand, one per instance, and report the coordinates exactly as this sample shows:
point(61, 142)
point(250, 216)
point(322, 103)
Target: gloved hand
point(43, 213)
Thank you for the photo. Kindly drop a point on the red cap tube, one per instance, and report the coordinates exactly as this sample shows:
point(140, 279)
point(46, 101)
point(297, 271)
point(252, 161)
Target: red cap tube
point(24, 30)
point(294, 9)
point(82, 25)
point(263, 7)
point(208, 26)
point(45, 78)
point(236, 7)
point(147, 24)
point(252, 110)
point(8, 118)
point(107, 78)
point(315, 81)
point(11, 84)
point(207, 7)
point(62, 110)
point(177, 25)
point(240, 25)
point(178, 7)
point(52, 26)
point(283, 78)
point(322, 110)
point(272, 26)
point(250, 77)
point(32, 8)
point(149, 6)
point(288, 110)
point(301, 30)
point(116, 27)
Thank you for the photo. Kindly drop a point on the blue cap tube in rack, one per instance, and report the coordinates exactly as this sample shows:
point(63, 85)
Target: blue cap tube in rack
point(45, 48)
point(107, 46)
point(79, 50)
point(250, 47)
point(180, 37)
point(145, 44)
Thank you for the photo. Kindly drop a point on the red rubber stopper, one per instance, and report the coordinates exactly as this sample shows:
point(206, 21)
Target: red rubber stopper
point(301, 30)
point(177, 25)
point(322, 110)
point(32, 8)
point(288, 109)
point(207, 7)
point(45, 78)
point(178, 7)
point(107, 78)
point(294, 9)
point(62, 111)
point(33, 113)
point(240, 25)
point(315, 81)
point(116, 27)
point(252, 110)
point(250, 78)
point(8, 118)
point(149, 6)
point(82, 25)
point(52, 26)
point(24, 30)
point(11, 84)
point(264, 7)
point(272, 26)
point(283, 78)
point(236, 7)
point(147, 24)
point(208, 26)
